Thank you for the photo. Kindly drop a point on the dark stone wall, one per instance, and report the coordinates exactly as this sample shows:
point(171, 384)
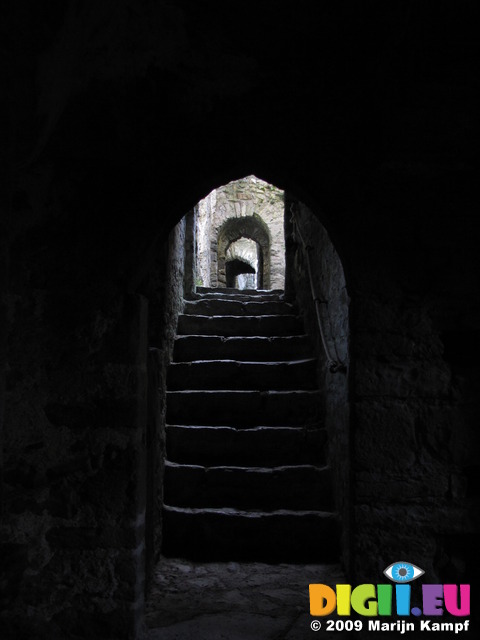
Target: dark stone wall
point(166, 285)
point(123, 115)
point(78, 419)
point(73, 479)
point(413, 425)
point(317, 272)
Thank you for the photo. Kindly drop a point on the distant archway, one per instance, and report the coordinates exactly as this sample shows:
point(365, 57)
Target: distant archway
point(252, 227)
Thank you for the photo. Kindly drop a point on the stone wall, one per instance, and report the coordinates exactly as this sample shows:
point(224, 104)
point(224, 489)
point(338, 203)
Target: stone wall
point(78, 417)
point(247, 198)
point(411, 413)
point(329, 287)
point(412, 421)
point(206, 255)
point(74, 470)
point(166, 297)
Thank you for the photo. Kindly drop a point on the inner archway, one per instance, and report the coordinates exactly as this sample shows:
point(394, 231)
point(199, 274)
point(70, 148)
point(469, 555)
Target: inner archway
point(235, 229)
point(243, 219)
point(244, 265)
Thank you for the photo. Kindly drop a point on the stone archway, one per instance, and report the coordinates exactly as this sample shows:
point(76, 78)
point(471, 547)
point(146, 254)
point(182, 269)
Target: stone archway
point(240, 253)
point(246, 211)
point(233, 229)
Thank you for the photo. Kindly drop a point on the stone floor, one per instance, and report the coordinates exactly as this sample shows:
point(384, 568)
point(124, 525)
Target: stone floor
point(251, 601)
point(235, 601)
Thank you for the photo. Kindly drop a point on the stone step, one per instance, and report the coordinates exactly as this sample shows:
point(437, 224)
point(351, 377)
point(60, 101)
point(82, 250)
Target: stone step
point(236, 297)
point(258, 348)
point(275, 325)
point(251, 293)
point(272, 446)
point(297, 487)
point(229, 307)
point(222, 535)
point(243, 408)
point(235, 374)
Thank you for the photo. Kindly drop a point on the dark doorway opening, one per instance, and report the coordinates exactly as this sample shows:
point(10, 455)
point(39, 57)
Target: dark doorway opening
point(229, 392)
point(236, 267)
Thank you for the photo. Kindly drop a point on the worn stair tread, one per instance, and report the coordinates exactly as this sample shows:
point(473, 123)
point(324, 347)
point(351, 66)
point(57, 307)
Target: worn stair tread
point(231, 291)
point(228, 534)
point(233, 316)
point(312, 427)
point(253, 362)
point(258, 446)
point(242, 374)
point(263, 339)
point(253, 469)
point(248, 487)
point(233, 307)
point(255, 392)
point(299, 428)
point(237, 297)
point(233, 394)
point(259, 348)
point(267, 446)
point(234, 325)
point(252, 513)
point(243, 408)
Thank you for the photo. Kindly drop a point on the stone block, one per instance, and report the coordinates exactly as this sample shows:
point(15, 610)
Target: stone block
point(384, 435)
point(417, 485)
point(374, 377)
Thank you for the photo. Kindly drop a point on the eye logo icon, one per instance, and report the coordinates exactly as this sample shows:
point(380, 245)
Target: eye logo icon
point(402, 572)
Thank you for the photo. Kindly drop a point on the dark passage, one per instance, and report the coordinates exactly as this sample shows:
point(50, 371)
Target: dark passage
point(234, 268)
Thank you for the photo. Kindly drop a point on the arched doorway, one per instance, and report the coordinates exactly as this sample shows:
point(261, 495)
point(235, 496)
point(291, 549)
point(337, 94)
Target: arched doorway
point(211, 359)
point(313, 273)
point(235, 229)
point(240, 274)
point(243, 219)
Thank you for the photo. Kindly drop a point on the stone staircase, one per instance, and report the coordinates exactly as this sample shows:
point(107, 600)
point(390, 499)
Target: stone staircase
point(245, 475)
